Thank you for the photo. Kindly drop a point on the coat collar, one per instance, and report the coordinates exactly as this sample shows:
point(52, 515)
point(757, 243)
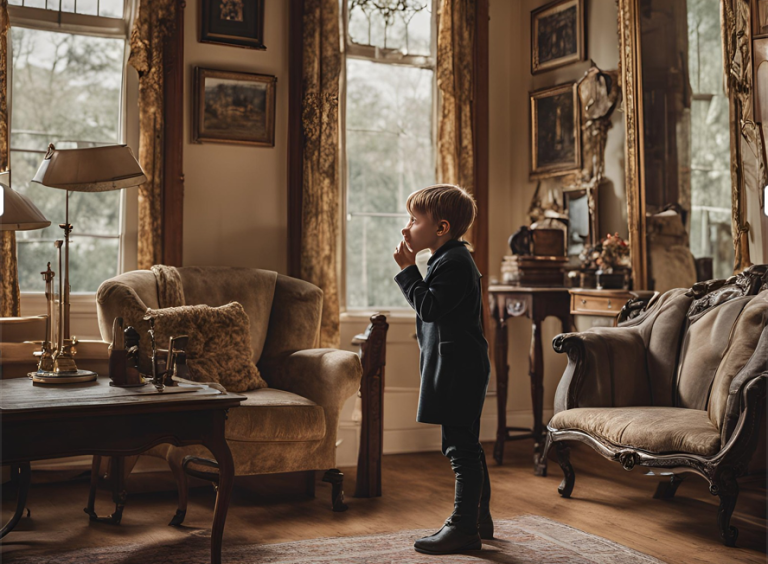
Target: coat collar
point(444, 247)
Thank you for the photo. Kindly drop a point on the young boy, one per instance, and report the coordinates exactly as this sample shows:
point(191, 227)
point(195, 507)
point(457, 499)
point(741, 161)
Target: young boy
point(454, 362)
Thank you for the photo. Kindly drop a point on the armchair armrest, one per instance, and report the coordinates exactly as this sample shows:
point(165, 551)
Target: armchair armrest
point(607, 367)
point(326, 376)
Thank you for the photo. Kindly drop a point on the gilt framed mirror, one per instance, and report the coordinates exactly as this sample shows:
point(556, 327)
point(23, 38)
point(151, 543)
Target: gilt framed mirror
point(692, 140)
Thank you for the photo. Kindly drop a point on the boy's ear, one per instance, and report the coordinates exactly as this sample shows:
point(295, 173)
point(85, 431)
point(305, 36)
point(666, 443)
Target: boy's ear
point(443, 227)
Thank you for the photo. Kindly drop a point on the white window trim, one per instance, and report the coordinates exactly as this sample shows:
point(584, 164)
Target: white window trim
point(83, 303)
point(383, 56)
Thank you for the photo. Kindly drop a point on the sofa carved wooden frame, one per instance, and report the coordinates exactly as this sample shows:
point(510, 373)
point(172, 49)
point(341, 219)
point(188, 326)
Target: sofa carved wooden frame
point(720, 470)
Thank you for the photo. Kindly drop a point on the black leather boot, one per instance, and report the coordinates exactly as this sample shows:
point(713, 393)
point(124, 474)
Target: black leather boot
point(448, 540)
point(485, 524)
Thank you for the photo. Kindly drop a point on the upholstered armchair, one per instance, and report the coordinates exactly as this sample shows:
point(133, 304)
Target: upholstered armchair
point(681, 387)
point(289, 426)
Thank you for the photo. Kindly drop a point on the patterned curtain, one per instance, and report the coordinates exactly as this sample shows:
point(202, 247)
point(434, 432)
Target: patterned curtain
point(321, 66)
point(9, 273)
point(154, 22)
point(455, 80)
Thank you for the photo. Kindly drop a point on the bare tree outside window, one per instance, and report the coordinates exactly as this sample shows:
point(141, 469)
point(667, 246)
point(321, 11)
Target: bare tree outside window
point(389, 139)
point(65, 89)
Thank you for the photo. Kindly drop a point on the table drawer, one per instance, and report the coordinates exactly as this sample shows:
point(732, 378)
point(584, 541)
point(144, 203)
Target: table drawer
point(596, 305)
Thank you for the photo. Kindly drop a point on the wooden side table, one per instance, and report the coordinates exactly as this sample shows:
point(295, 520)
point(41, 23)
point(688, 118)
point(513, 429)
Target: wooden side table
point(537, 304)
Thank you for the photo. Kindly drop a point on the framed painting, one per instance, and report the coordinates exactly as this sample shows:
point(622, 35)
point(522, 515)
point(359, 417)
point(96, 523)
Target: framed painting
point(234, 107)
point(555, 131)
point(239, 23)
point(557, 35)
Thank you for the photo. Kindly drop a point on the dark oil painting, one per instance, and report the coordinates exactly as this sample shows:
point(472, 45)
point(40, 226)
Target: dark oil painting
point(556, 142)
point(557, 35)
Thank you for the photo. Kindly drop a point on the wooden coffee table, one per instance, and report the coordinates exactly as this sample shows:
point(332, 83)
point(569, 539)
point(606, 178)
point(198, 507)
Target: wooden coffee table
point(42, 422)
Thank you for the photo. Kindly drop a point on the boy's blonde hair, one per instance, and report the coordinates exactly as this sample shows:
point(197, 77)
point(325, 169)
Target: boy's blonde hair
point(445, 201)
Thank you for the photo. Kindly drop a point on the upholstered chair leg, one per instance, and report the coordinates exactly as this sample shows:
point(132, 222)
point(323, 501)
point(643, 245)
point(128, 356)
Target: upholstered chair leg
point(310, 483)
point(668, 488)
point(564, 459)
point(727, 488)
point(182, 485)
point(336, 478)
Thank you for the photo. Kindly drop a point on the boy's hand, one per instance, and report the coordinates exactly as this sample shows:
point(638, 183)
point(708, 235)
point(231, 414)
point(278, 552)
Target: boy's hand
point(404, 256)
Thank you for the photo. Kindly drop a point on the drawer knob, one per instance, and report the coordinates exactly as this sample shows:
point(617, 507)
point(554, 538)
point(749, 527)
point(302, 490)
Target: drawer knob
point(583, 302)
point(609, 304)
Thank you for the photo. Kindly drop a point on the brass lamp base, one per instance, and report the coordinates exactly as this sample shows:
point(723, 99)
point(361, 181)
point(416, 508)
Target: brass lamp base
point(46, 377)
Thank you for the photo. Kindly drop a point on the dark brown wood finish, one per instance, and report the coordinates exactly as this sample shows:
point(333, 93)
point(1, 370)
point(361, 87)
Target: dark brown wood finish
point(295, 136)
point(373, 355)
point(173, 143)
point(481, 141)
point(94, 418)
point(536, 304)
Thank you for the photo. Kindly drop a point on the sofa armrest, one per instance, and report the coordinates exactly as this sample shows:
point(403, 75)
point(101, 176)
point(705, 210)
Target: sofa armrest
point(328, 377)
point(607, 367)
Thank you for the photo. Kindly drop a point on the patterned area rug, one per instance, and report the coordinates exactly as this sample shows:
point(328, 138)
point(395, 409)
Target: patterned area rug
point(528, 539)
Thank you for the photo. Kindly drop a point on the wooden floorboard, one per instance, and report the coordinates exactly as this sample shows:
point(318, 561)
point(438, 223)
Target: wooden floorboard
point(418, 493)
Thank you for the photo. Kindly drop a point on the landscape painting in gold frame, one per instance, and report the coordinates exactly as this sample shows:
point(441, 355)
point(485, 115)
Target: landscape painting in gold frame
point(234, 107)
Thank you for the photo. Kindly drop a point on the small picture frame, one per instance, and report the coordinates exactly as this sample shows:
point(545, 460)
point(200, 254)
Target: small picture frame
point(555, 131)
point(239, 23)
point(557, 35)
point(234, 107)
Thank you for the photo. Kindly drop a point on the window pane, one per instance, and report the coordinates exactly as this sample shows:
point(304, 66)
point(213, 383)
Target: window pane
point(370, 268)
point(404, 25)
point(15, 2)
point(91, 261)
point(389, 135)
point(87, 7)
point(66, 90)
point(34, 3)
point(111, 8)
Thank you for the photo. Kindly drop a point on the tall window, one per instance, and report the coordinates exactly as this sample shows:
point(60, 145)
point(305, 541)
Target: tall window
point(66, 88)
point(388, 136)
point(710, 140)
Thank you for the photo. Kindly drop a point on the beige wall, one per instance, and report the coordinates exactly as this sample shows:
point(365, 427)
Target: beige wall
point(510, 188)
point(235, 196)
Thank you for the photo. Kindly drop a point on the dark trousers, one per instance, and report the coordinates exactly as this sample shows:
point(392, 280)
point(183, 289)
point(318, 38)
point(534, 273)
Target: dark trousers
point(461, 445)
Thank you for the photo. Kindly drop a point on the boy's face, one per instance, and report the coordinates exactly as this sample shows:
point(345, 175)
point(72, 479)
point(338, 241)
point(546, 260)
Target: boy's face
point(422, 232)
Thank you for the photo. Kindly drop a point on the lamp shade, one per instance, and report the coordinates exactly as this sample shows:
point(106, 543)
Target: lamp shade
point(91, 169)
point(17, 212)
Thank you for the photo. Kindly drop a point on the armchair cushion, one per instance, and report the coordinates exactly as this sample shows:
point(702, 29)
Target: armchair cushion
point(654, 429)
point(219, 348)
point(270, 415)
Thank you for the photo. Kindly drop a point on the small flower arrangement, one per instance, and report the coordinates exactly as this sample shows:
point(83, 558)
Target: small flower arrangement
point(609, 254)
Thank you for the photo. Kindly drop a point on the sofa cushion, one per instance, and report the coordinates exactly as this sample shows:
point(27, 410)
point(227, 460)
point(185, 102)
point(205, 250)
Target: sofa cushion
point(219, 348)
point(741, 346)
point(270, 415)
point(654, 429)
point(703, 347)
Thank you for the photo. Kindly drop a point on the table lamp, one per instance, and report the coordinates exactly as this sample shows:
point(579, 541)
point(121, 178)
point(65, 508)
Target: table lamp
point(91, 169)
point(17, 213)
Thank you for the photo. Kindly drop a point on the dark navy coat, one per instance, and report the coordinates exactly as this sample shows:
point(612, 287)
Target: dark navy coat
point(454, 363)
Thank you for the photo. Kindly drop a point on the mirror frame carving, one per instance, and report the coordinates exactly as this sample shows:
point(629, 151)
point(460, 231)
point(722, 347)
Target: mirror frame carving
point(736, 32)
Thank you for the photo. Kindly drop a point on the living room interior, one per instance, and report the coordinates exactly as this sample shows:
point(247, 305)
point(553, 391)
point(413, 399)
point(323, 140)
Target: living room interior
point(201, 340)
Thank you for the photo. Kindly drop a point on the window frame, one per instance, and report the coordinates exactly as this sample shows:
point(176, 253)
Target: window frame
point(379, 55)
point(83, 303)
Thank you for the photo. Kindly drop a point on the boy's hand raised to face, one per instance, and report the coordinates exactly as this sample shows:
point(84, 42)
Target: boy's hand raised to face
point(404, 256)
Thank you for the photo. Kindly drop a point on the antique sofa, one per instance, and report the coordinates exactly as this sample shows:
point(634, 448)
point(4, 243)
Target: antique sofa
point(680, 388)
point(289, 426)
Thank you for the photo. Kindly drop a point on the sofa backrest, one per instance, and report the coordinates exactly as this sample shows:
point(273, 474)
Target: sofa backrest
point(661, 327)
point(745, 356)
point(702, 350)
